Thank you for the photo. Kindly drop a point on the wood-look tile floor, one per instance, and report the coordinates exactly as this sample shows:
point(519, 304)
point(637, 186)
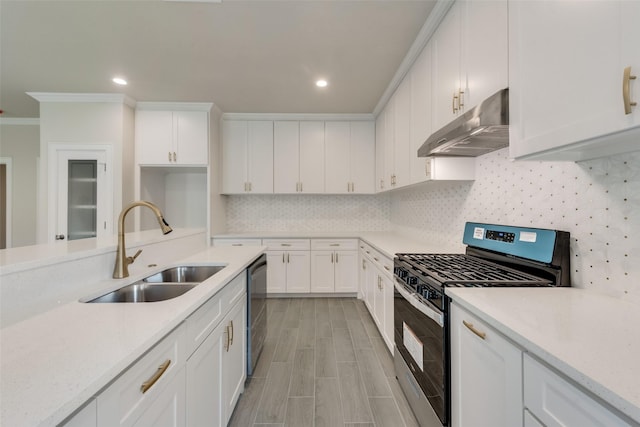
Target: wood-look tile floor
point(324, 364)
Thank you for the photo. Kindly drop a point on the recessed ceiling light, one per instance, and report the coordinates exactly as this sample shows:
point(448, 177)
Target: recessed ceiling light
point(119, 81)
point(321, 83)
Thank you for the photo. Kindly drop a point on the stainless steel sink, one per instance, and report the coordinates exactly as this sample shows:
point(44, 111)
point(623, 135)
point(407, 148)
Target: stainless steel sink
point(162, 286)
point(184, 274)
point(146, 292)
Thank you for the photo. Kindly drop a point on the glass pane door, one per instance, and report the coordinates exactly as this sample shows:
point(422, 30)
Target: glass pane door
point(82, 199)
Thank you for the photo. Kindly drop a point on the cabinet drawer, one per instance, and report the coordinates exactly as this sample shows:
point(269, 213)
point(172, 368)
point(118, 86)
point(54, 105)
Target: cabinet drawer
point(383, 262)
point(556, 402)
point(287, 244)
point(123, 402)
point(334, 244)
point(204, 320)
point(236, 242)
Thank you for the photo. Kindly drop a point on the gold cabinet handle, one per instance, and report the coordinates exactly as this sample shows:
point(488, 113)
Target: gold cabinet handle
point(474, 330)
point(169, 155)
point(332, 258)
point(151, 381)
point(283, 257)
point(285, 244)
point(387, 268)
point(236, 244)
point(375, 258)
point(453, 103)
point(334, 244)
point(227, 343)
point(336, 258)
point(364, 265)
point(460, 99)
point(175, 157)
point(231, 339)
point(626, 92)
point(288, 258)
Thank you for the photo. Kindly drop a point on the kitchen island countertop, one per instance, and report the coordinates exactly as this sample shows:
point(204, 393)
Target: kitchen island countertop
point(52, 363)
point(591, 338)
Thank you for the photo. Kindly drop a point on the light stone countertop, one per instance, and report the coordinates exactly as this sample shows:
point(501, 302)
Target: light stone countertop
point(591, 338)
point(387, 242)
point(51, 364)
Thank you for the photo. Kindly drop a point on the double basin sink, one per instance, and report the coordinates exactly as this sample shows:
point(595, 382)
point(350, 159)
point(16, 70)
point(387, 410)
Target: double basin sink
point(162, 286)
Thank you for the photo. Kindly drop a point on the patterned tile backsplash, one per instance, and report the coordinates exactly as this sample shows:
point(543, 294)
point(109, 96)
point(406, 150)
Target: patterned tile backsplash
point(246, 213)
point(597, 201)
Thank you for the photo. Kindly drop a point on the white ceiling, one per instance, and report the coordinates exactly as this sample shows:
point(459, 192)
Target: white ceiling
point(258, 56)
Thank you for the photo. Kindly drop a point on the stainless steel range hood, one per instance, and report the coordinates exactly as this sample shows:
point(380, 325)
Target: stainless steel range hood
point(483, 129)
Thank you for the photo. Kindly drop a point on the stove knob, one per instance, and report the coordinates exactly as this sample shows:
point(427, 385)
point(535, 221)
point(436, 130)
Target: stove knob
point(411, 280)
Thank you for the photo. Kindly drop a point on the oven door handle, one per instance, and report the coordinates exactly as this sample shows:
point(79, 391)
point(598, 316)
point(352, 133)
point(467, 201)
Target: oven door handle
point(419, 305)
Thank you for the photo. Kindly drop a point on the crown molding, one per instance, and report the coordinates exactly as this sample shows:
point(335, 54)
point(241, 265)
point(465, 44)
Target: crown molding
point(430, 25)
point(298, 116)
point(116, 98)
point(181, 106)
point(21, 121)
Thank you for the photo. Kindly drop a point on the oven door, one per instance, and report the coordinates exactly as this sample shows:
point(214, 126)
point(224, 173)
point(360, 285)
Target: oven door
point(421, 343)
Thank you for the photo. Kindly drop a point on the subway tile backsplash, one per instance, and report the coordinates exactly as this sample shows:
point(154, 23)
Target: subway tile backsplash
point(598, 201)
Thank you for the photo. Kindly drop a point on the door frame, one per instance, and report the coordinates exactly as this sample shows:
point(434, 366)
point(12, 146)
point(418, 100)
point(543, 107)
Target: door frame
point(7, 161)
point(54, 149)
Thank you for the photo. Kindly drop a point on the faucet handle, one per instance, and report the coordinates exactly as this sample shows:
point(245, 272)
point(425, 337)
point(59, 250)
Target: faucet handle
point(131, 259)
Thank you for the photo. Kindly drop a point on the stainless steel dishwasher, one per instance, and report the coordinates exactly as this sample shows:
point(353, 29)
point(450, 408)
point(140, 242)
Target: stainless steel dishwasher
point(256, 310)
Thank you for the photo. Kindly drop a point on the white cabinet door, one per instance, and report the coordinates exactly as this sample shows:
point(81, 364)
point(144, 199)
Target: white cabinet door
point(378, 300)
point(260, 157)
point(389, 144)
point(322, 271)
point(298, 271)
point(558, 403)
point(286, 155)
point(154, 137)
point(234, 357)
point(485, 50)
point(204, 381)
point(337, 138)
point(402, 141)
point(446, 68)
point(168, 409)
point(276, 272)
point(362, 157)
point(420, 76)
point(346, 271)
point(247, 157)
point(312, 161)
point(387, 295)
point(381, 183)
point(191, 141)
point(555, 109)
point(486, 374)
point(234, 156)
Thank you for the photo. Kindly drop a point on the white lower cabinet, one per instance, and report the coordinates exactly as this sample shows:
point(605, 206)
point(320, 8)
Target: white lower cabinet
point(151, 392)
point(555, 402)
point(486, 374)
point(288, 265)
point(377, 289)
point(192, 377)
point(334, 265)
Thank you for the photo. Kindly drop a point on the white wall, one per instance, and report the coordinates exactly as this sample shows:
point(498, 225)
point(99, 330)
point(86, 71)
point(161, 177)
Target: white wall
point(597, 201)
point(21, 143)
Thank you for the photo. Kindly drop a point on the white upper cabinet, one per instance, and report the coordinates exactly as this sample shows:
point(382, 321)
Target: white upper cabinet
point(247, 153)
point(381, 181)
point(567, 79)
point(298, 157)
point(350, 157)
point(420, 76)
point(402, 135)
point(312, 157)
point(470, 57)
point(172, 137)
point(337, 136)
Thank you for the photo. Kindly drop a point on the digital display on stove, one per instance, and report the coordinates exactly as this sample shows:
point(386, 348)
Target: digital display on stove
point(500, 236)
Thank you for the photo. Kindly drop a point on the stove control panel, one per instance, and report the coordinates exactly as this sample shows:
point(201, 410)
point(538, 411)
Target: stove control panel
point(500, 236)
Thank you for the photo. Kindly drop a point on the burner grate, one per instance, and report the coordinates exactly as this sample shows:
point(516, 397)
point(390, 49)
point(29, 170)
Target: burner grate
point(466, 270)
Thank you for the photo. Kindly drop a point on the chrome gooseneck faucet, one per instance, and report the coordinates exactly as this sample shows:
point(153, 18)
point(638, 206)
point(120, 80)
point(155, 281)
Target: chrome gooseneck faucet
point(121, 269)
